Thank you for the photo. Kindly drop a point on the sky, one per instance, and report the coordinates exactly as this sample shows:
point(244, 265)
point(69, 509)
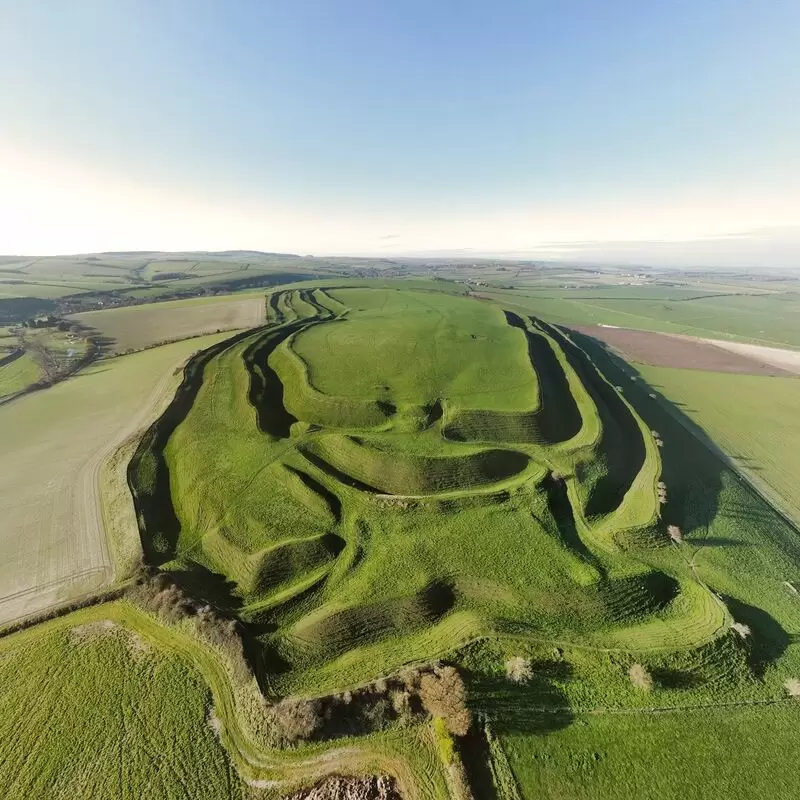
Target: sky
point(566, 128)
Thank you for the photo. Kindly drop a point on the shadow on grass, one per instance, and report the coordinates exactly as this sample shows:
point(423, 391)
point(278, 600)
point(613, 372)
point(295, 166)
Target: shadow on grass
point(767, 641)
point(691, 472)
point(621, 445)
point(538, 706)
point(266, 389)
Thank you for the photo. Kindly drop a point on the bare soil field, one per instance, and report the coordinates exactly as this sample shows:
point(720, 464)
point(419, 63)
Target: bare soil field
point(137, 327)
point(686, 352)
point(788, 360)
point(53, 546)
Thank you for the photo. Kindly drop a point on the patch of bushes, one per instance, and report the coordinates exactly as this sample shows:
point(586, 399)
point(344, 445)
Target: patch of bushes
point(161, 596)
point(412, 695)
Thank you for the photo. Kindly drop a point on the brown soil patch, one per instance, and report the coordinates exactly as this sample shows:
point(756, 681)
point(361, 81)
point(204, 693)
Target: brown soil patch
point(668, 350)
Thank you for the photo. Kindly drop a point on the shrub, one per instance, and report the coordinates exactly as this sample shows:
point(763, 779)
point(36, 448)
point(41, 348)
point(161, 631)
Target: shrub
point(519, 669)
point(640, 677)
point(401, 703)
point(742, 629)
point(410, 678)
point(792, 686)
point(444, 695)
point(296, 719)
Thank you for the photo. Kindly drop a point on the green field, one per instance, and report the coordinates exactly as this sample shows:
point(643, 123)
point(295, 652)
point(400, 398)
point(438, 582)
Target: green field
point(137, 327)
point(122, 719)
point(752, 418)
point(133, 708)
point(392, 475)
point(762, 317)
point(436, 427)
point(736, 753)
point(18, 375)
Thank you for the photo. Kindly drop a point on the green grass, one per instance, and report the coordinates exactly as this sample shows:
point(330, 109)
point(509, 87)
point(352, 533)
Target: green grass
point(105, 714)
point(127, 704)
point(752, 418)
point(416, 349)
point(19, 375)
point(736, 753)
point(137, 327)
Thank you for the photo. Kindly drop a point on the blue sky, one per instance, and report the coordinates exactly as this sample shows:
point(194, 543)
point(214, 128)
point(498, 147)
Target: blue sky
point(355, 126)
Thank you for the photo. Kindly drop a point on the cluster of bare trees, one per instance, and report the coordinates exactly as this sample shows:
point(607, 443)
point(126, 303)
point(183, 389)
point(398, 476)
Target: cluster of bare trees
point(435, 691)
point(45, 359)
point(159, 595)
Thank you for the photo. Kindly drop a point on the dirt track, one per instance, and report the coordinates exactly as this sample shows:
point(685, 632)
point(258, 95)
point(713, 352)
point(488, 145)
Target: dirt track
point(685, 352)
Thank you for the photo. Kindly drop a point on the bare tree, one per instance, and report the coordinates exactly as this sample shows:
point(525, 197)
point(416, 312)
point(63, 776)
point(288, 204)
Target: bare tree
point(444, 695)
point(45, 359)
point(297, 719)
point(793, 687)
point(640, 677)
point(675, 533)
point(519, 669)
point(742, 629)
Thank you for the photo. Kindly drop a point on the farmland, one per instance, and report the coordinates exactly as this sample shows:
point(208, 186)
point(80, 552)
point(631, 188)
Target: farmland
point(138, 327)
point(761, 317)
point(54, 442)
point(376, 481)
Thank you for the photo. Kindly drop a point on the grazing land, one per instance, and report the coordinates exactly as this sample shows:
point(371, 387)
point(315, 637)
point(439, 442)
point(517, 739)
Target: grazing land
point(137, 327)
point(745, 752)
point(753, 419)
point(53, 545)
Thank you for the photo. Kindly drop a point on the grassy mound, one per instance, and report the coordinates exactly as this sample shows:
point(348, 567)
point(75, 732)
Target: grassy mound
point(392, 470)
point(310, 475)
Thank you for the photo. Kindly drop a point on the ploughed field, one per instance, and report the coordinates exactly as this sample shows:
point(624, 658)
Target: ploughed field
point(382, 476)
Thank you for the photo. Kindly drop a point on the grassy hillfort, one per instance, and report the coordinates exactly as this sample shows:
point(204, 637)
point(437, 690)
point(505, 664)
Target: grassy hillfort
point(394, 529)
